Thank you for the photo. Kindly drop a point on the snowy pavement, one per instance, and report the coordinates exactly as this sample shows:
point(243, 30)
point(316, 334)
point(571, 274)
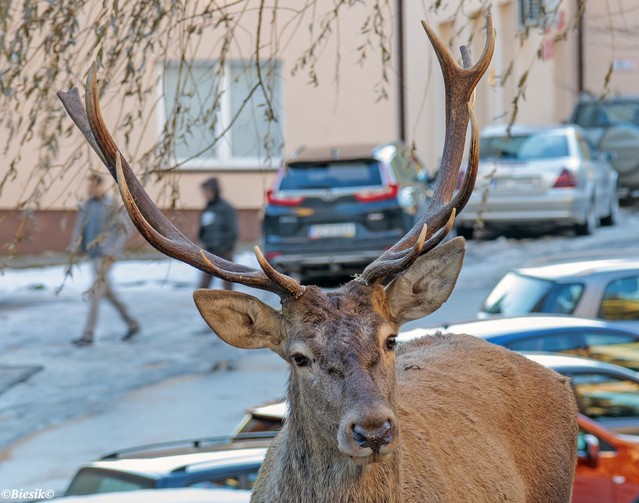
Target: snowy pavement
point(200, 405)
point(41, 311)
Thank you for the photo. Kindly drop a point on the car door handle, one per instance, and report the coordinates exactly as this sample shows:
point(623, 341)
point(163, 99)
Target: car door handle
point(618, 479)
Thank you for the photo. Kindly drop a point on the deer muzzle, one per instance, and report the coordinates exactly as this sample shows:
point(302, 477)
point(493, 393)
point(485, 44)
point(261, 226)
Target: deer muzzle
point(368, 438)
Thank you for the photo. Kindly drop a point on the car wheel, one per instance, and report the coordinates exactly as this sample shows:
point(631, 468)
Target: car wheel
point(590, 221)
point(612, 218)
point(465, 232)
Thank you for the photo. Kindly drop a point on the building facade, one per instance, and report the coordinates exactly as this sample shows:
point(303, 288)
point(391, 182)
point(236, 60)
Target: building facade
point(544, 58)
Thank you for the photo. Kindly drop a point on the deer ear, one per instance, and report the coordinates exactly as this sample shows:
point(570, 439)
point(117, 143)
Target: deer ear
point(240, 320)
point(426, 285)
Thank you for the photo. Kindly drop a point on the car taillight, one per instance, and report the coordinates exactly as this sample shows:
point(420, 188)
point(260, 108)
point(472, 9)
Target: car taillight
point(271, 255)
point(566, 179)
point(388, 192)
point(278, 199)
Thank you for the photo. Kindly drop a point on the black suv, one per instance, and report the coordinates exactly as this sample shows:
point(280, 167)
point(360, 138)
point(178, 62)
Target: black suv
point(332, 211)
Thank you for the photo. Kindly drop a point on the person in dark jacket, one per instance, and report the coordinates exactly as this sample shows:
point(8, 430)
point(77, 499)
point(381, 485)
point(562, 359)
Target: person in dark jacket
point(218, 228)
point(100, 233)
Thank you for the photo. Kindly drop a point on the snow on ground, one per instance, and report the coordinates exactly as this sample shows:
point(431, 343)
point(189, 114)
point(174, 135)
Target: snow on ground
point(129, 274)
point(41, 311)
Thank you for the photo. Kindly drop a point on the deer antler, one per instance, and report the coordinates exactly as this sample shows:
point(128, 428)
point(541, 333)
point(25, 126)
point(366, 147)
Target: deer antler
point(459, 85)
point(152, 224)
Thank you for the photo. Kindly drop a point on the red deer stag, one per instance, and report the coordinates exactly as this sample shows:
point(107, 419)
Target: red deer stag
point(448, 418)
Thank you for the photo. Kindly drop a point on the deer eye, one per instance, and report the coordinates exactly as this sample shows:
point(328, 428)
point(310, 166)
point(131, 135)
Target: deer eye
point(391, 342)
point(301, 360)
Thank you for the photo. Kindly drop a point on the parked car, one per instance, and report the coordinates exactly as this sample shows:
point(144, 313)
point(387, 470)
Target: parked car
point(262, 418)
point(605, 289)
point(608, 456)
point(612, 124)
point(540, 176)
point(203, 463)
point(331, 211)
point(596, 339)
point(185, 495)
point(608, 397)
point(607, 469)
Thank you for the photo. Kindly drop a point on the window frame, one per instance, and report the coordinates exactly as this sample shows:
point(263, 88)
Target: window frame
point(532, 13)
point(605, 313)
point(224, 159)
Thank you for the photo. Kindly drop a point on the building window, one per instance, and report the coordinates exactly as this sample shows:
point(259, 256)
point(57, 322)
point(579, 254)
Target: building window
point(532, 12)
point(203, 102)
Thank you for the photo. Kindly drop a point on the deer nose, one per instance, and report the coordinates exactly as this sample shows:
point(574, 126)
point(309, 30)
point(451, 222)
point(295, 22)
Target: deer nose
point(373, 437)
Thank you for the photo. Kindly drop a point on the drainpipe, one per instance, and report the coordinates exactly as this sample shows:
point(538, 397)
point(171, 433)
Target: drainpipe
point(400, 70)
point(581, 10)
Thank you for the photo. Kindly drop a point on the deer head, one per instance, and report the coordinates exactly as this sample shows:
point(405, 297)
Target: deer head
point(340, 345)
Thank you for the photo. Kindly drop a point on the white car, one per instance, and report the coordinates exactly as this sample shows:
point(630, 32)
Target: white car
point(201, 464)
point(541, 176)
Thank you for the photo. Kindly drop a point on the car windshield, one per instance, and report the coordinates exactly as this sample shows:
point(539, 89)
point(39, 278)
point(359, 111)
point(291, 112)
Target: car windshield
point(543, 145)
point(331, 175)
point(92, 481)
point(602, 115)
point(517, 295)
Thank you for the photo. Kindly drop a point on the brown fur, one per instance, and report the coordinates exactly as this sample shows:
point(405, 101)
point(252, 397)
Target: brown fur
point(493, 425)
point(468, 420)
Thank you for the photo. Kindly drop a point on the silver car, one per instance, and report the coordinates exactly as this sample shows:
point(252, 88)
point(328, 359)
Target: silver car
point(533, 175)
point(605, 289)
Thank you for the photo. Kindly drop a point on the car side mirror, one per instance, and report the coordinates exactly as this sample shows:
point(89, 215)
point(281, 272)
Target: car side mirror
point(588, 450)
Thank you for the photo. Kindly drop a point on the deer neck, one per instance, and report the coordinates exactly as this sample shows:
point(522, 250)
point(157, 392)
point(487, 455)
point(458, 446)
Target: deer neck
point(308, 468)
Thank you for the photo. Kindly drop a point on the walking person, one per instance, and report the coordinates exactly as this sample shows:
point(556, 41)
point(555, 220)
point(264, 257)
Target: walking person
point(218, 228)
point(100, 233)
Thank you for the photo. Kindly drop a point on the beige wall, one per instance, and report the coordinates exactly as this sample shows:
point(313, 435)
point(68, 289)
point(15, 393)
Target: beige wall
point(611, 37)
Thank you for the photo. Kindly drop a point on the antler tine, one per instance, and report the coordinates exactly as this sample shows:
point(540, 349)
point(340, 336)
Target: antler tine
point(291, 286)
point(395, 264)
point(73, 105)
point(459, 86)
point(149, 220)
point(443, 232)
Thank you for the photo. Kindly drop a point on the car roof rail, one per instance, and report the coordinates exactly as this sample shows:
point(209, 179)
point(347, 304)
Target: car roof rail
point(188, 445)
point(587, 255)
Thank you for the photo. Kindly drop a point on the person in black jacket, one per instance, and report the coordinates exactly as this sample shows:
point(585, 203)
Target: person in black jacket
point(218, 228)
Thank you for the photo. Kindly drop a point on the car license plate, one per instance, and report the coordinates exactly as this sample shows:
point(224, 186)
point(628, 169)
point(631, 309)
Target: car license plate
point(524, 183)
point(322, 231)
